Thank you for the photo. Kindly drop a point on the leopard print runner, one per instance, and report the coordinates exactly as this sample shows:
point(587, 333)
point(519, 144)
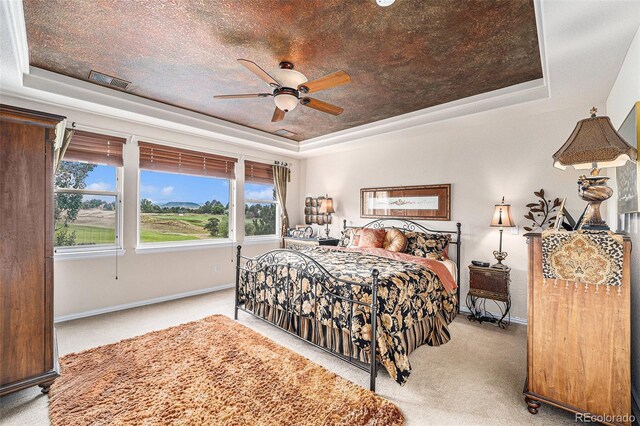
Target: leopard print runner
point(588, 257)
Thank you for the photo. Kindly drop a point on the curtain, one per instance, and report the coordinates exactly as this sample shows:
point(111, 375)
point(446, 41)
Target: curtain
point(177, 160)
point(95, 148)
point(282, 176)
point(59, 152)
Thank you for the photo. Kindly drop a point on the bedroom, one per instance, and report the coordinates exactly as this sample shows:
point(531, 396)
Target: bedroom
point(471, 96)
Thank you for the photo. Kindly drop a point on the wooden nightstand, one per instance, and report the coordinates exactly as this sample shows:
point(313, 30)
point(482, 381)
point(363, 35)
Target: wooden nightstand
point(292, 243)
point(489, 284)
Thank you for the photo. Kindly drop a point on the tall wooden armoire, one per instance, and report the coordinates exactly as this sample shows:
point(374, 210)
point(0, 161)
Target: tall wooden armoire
point(27, 347)
point(579, 337)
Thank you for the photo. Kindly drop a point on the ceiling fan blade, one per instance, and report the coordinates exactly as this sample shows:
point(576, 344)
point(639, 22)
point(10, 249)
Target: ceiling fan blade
point(278, 115)
point(327, 82)
point(321, 106)
point(255, 68)
point(241, 96)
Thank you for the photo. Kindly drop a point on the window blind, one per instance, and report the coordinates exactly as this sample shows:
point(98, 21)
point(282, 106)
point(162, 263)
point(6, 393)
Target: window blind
point(95, 148)
point(164, 158)
point(255, 172)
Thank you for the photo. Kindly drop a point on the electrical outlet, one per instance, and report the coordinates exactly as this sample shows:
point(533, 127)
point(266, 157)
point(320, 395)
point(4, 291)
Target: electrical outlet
point(515, 230)
point(216, 268)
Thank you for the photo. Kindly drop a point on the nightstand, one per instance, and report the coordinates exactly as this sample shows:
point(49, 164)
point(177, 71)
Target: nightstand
point(292, 243)
point(487, 283)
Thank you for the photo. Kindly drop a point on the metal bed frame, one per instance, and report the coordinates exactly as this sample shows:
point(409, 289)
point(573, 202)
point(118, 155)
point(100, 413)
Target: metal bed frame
point(270, 261)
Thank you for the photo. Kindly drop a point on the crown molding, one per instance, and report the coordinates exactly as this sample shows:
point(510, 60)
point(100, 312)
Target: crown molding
point(520, 93)
point(55, 89)
point(121, 105)
point(14, 13)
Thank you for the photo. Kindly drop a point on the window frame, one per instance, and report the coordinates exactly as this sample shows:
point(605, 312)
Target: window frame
point(276, 235)
point(66, 251)
point(169, 245)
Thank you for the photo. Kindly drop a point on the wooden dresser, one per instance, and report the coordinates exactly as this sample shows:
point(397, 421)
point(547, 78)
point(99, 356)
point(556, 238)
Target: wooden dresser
point(578, 348)
point(27, 348)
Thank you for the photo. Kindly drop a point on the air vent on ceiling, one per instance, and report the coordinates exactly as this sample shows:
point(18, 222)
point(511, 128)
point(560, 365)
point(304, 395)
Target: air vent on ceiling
point(107, 80)
point(284, 132)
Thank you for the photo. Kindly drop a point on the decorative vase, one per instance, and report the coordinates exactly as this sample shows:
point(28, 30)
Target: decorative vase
point(594, 190)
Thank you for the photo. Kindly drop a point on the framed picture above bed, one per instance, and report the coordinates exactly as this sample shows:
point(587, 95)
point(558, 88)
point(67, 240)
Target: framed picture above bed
point(426, 202)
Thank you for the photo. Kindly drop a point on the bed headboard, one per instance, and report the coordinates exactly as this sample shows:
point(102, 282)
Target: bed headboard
point(411, 226)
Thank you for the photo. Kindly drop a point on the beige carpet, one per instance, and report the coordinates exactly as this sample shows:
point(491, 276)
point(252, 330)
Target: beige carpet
point(475, 379)
point(209, 372)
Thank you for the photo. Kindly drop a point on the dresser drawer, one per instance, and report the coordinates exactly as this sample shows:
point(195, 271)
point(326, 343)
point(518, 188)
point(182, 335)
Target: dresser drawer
point(489, 283)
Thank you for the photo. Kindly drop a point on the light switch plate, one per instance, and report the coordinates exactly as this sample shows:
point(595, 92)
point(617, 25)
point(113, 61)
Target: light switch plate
point(515, 230)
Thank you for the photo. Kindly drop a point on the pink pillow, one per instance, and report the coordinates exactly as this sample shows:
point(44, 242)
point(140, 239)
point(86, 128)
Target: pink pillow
point(371, 238)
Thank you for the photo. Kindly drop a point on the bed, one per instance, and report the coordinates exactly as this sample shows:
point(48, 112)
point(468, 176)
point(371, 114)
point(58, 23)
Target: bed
point(338, 298)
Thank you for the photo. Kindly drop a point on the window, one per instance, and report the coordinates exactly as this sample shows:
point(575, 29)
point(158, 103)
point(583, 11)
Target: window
point(184, 195)
point(87, 194)
point(261, 205)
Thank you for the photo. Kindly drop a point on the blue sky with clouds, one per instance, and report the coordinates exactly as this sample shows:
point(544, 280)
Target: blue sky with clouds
point(166, 187)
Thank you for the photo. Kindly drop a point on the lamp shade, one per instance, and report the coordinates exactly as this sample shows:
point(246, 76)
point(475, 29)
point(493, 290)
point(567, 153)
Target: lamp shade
point(502, 216)
point(594, 141)
point(326, 206)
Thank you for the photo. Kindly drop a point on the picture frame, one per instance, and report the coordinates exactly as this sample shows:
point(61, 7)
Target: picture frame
point(579, 223)
point(568, 222)
point(312, 216)
point(558, 223)
point(560, 215)
point(422, 202)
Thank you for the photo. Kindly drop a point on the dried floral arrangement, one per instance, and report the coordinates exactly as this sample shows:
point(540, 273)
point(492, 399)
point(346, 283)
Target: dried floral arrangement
point(542, 213)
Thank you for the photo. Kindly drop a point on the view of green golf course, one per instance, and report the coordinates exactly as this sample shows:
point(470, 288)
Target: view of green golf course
point(97, 226)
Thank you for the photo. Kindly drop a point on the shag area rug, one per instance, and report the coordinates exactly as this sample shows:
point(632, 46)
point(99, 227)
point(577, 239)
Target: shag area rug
point(208, 372)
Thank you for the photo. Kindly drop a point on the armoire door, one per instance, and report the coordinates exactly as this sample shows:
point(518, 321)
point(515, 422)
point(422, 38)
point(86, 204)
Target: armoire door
point(22, 250)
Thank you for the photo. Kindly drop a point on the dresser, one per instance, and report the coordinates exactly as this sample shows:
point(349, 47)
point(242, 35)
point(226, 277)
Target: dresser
point(292, 243)
point(578, 343)
point(27, 348)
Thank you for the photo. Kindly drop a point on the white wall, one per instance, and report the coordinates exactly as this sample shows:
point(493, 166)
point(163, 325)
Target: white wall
point(90, 285)
point(626, 89)
point(624, 94)
point(484, 157)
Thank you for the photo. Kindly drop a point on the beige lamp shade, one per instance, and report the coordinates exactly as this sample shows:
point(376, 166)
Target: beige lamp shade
point(594, 141)
point(326, 206)
point(502, 216)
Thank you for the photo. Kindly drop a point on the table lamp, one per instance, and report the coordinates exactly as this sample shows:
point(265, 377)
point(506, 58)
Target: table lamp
point(501, 219)
point(326, 208)
point(594, 144)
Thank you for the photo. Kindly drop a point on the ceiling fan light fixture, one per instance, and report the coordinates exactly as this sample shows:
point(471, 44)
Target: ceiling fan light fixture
point(289, 77)
point(286, 102)
point(385, 3)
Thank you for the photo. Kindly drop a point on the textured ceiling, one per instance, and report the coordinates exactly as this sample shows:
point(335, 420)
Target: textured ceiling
point(412, 55)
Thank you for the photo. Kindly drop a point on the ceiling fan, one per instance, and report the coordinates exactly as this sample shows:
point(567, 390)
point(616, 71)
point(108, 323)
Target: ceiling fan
point(288, 84)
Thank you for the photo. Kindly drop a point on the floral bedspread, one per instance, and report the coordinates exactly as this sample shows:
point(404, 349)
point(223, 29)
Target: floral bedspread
point(407, 293)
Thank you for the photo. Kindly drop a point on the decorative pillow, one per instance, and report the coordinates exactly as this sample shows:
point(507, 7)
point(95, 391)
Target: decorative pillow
point(432, 246)
point(350, 237)
point(371, 238)
point(395, 240)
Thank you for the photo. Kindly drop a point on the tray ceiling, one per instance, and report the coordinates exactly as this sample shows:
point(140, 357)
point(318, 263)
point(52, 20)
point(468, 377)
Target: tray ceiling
point(410, 56)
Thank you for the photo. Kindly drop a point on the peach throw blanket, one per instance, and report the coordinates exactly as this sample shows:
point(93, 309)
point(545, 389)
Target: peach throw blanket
point(448, 282)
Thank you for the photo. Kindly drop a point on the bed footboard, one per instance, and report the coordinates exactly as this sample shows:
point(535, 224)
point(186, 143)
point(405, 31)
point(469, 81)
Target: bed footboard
point(275, 261)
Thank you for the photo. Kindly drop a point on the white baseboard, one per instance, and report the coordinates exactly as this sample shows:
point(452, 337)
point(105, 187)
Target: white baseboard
point(517, 320)
point(63, 318)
